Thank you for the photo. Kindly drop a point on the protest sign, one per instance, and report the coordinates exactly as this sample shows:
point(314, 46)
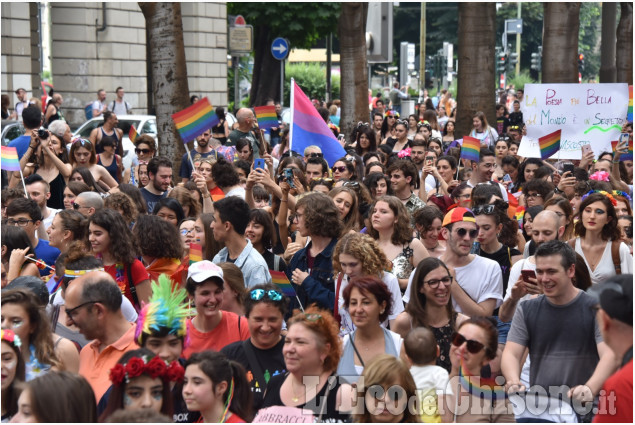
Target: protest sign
point(587, 114)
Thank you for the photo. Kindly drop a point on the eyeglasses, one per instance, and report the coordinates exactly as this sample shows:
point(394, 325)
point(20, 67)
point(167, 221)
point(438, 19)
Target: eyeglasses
point(534, 195)
point(316, 155)
point(361, 124)
point(483, 209)
point(353, 185)
point(76, 206)
point(22, 222)
point(186, 231)
point(472, 346)
point(73, 311)
point(434, 283)
point(462, 232)
point(258, 294)
point(339, 169)
point(143, 151)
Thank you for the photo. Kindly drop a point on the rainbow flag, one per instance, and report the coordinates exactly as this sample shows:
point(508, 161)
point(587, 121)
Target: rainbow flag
point(629, 115)
point(196, 253)
point(308, 128)
point(549, 144)
point(280, 279)
point(627, 156)
point(132, 135)
point(486, 388)
point(193, 121)
point(267, 117)
point(10, 161)
point(471, 148)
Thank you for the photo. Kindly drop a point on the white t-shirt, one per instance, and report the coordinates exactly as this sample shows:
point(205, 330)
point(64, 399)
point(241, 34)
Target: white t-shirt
point(605, 268)
point(391, 282)
point(98, 105)
point(481, 280)
point(49, 220)
point(428, 377)
point(119, 108)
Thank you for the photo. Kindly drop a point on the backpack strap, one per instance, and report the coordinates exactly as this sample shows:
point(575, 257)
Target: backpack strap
point(615, 254)
point(133, 289)
point(254, 364)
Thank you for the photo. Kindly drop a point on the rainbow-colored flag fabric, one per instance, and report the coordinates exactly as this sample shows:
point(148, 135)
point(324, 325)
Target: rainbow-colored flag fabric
point(629, 115)
point(280, 279)
point(194, 120)
point(196, 253)
point(132, 135)
point(549, 144)
point(471, 148)
point(627, 156)
point(10, 161)
point(266, 116)
point(486, 388)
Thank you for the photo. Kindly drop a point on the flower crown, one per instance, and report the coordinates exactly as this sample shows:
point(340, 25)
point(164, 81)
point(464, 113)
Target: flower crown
point(623, 194)
point(10, 336)
point(155, 368)
point(391, 113)
point(404, 153)
point(603, 192)
point(601, 176)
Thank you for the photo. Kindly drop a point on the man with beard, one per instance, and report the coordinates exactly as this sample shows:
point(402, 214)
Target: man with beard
point(483, 170)
point(160, 175)
point(93, 304)
point(200, 151)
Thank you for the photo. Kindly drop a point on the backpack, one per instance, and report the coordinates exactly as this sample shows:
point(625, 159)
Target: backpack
point(615, 254)
point(126, 104)
point(88, 111)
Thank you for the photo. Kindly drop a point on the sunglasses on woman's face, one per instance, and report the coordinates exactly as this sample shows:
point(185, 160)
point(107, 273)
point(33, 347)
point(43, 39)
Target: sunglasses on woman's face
point(339, 169)
point(143, 151)
point(472, 346)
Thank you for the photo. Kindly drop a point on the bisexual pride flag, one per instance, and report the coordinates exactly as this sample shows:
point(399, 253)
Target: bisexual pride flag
point(10, 161)
point(308, 128)
point(549, 144)
point(194, 120)
point(266, 116)
point(471, 148)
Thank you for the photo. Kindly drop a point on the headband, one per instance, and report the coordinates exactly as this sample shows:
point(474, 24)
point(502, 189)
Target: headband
point(602, 192)
point(155, 368)
point(77, 273)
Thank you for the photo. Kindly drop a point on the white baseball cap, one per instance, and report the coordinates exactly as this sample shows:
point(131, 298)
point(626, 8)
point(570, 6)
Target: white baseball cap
point(203, 270)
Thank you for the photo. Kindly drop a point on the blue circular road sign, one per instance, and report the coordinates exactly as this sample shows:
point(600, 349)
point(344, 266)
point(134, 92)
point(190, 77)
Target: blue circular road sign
point(280, 48)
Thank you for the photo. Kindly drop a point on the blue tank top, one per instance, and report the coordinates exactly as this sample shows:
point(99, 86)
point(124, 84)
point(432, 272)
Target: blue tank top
point(112, 168)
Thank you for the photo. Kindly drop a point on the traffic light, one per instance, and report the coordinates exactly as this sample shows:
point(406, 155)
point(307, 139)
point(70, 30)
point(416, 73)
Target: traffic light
point(501, 62)
point(512, 61)
point(580, 62)
point(536, 61)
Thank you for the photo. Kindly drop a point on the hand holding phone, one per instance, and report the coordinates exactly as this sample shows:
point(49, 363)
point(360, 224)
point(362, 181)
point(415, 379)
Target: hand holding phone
point(507, 178)
point(288, 176)
point(528, 274)
point(259, 163)
point(586, 149)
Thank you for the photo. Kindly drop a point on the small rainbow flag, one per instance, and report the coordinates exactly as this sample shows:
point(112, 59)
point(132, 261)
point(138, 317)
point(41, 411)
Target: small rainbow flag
point(196, 253)
point(280, 279)
point(549, 144)
point(486, 388)
point(132, 135)
point(629, 115)
point(10, 161)
point(194, 120)
point(519, 214)
point(267, 117)
point(471, 148)
point(627, 156)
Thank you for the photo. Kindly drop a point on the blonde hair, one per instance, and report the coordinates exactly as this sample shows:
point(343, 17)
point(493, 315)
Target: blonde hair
point(365, 249)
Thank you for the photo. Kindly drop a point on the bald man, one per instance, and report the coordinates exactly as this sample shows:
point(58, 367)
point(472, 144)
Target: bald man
point(246, 120)
point(93, 304)
point(88, 203)
point(545, 228)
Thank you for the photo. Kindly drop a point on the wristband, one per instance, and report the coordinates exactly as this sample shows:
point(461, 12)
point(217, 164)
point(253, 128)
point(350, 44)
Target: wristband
point(556, 190)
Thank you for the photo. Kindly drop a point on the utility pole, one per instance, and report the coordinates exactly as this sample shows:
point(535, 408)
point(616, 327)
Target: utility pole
point(422, 49)
point(518, 43)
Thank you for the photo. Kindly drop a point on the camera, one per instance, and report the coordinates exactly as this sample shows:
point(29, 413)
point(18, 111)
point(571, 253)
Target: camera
point(42, 133)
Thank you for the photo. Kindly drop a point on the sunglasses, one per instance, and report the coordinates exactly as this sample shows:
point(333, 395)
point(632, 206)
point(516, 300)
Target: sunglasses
point(483, 209)
point(76, 206)
point(472, 346)
point(316, 155)
point(143, 151)
point(258, 294)
point(354, 185)
point(462, 232)
point(339, 169)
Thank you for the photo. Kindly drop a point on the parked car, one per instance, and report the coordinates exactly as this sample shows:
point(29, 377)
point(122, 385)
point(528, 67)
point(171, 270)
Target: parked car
point(10, 130)
point(144, 124)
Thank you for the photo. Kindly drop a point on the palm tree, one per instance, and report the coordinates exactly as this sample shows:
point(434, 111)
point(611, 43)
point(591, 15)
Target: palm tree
point(624, 46)
point(354, 71)
point(560, 42)
point(169, 73)
point(476, 73)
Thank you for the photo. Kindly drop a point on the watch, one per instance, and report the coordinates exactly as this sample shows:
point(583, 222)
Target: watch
point(556, 190)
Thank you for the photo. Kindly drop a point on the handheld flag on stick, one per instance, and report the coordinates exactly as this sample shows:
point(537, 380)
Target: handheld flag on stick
point(267, 117)
point(193, 121)
point(549, 144)
point(471, 148)
point(308, 128)
point(10, 162)
point(132, 135)
point(281, 280)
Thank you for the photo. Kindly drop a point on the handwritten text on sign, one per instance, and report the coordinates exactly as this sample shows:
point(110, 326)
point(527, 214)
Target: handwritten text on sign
point(586, 113)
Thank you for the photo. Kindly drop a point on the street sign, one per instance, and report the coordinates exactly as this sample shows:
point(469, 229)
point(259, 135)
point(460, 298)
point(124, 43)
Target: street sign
point(280, 48)
point(240, 39)
point(240, 21)
point(514, 26)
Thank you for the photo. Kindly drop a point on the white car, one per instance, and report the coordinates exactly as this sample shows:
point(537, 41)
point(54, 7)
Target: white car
point(145, 124)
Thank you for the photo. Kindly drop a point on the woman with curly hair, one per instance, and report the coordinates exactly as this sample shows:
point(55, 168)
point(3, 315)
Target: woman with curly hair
point(364, 138)
point(112, 241)
point(141, 380)
point(191, 207)
point(378, 184)
point(390, 227)
point(598, 240)
point(359, 255)
point(345, 200)
point(123, 204)
point(136, 196)
point(162, 249)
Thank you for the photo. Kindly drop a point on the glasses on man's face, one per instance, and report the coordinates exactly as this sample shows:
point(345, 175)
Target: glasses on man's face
point(339, 169)
point(434, 283)
point(22, 222)
point(76, 206)
point(143, 151)
point(71, 313)
point(534, 195)
point(489, 165)
point(258, 294)
point(472, 345)
point(316, 155)
point(463, 231)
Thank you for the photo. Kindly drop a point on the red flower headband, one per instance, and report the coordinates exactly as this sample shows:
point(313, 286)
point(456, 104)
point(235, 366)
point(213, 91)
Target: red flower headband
point(155, 368)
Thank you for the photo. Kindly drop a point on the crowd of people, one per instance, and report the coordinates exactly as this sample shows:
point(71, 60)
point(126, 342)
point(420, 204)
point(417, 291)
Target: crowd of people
point(401, 283)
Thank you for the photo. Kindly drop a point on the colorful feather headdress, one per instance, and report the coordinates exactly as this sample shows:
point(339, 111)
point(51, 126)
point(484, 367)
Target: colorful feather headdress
point(167, 309)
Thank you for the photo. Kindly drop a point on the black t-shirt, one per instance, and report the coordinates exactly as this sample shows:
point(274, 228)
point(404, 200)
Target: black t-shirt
point(503, 258)
point(271, 364)
point(270, 258)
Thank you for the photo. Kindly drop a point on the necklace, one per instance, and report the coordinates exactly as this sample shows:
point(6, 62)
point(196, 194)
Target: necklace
point(295, 397)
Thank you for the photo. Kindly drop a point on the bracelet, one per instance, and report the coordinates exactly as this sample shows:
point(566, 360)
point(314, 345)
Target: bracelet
point(556, 190)
point(615, 162)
